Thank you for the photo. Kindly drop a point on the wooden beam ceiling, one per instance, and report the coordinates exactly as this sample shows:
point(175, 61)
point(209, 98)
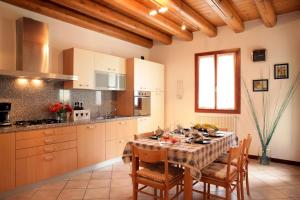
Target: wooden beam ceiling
point(100, 12)
point(75, 18)
point(225, 10)
point(191, 15)
point(139, 10)
point(266, 12)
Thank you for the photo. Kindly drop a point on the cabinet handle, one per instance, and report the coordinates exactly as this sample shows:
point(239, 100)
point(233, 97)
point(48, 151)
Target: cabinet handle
point(48, 149)
point(48, 157)
point(108, 69)
point(48, 140)
point(80, 85)
point(90, 127)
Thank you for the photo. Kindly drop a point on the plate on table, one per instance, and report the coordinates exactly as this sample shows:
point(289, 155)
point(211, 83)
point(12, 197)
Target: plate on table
point(202, 141)
point(217, 134)
point(154, 137)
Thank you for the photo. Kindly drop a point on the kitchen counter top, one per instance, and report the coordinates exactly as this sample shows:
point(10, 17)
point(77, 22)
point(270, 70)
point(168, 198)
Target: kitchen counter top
point(14, 128)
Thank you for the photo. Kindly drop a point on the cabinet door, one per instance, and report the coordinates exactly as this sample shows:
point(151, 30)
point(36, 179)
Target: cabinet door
point(129, 129)
point(83, 65)
point(157, 83)
point(40, 167)
point(142, 75)
point(91, 144)
point(7, 161)
point(157, 109)
point(144, 125)
point(109, 63)
point(148, 75)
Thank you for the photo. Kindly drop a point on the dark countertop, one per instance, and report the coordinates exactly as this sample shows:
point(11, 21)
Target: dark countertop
point(14, 128)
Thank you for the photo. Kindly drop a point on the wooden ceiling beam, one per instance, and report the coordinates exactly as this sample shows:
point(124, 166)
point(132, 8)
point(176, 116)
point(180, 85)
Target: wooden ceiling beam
point(137, 9)
point(72, 17)
point(266, 12)
point(100, 12)
point(225, 10)
point(190, 15)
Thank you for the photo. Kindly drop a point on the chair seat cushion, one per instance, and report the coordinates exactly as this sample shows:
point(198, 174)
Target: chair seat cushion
point(224, 158)
point(157, 173)
point(218, 171)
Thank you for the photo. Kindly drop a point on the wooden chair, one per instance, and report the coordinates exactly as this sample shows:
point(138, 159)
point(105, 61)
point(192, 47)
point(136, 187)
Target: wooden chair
point(160, 176)
point(143, 135)
point(244, 164)
point(223, 175)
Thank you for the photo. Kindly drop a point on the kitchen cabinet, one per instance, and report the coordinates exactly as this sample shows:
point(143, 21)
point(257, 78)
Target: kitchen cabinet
point(90, 144)
point(79, 62)
point(157, 109)
point(118, 133)
point(45, 153)
point(109, 63)
point(148, 76)
point(40, 167)
point(7, 161)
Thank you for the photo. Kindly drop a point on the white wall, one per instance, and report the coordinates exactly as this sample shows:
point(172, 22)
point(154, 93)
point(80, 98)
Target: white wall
point(62, 36)
point(283, 45)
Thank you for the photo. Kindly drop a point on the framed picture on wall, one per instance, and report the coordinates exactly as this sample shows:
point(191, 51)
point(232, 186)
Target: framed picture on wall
point(261, 85)
point(281, 71)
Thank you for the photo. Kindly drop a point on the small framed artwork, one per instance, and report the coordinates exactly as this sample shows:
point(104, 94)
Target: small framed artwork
point(281, 71)
point(261, 85)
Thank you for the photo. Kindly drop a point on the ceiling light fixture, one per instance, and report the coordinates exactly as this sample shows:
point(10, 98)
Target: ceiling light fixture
point(153, 12)
point(163, 10)
point(183, 27)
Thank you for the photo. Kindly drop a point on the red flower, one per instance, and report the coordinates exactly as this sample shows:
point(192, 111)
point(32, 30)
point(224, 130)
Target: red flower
point(59, 107)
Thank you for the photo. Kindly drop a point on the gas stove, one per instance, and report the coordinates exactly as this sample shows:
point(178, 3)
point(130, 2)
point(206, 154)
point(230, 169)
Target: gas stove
point(37, 122)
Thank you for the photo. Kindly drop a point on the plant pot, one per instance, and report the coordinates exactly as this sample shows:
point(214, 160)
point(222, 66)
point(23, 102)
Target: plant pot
point(265, 157)
point(61, 116)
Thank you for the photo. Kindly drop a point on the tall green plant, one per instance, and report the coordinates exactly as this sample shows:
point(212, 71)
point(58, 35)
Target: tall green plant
point(267, 129)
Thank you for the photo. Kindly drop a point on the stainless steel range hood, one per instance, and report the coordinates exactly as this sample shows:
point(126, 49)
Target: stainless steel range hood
point(33, 52)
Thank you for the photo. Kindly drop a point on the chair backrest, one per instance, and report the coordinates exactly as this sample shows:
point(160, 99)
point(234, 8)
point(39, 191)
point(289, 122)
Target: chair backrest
point(143, 135)
point(245, 150)
point(148, 156)
point(234, 154)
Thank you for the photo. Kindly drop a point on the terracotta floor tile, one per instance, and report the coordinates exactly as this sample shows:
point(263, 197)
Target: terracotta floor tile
point(45, 195)
point(54, 186)
point(101, 175)
point(117, 182)
point(99, 183)
point(77, 184)
point(99, 193)
point(84, 176)
point(71, 194)
point(104, 169)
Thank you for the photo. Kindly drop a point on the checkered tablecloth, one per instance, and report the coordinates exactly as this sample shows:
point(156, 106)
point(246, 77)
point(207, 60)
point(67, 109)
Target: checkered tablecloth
point(193, 156)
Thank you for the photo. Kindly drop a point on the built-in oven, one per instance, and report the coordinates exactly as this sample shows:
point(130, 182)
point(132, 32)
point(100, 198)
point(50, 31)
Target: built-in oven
point(142, 103)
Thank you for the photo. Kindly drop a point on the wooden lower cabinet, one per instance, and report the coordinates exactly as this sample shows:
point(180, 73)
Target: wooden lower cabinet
point(36, 168)
point(118, 133)
point(90, 144)
point(7, 161)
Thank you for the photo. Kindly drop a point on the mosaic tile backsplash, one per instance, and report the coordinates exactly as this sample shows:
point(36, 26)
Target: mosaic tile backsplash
point(30, 99)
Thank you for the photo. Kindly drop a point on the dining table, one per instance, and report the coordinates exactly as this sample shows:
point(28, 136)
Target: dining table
point(192, 156)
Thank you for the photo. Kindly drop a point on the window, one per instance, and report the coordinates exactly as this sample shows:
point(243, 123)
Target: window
point(217, 81)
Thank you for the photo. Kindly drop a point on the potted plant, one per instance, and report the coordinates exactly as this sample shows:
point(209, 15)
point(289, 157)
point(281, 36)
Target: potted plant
point(267, 127)
point(61, 110)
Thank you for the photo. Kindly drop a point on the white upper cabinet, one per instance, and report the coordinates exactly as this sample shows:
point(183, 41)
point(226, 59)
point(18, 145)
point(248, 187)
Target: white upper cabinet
point(148, 75)
point(85, 64)
point(83, 67)
point(109, 63)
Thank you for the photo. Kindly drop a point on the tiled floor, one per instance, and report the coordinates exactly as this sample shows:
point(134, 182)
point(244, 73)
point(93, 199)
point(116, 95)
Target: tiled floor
point(277, 181)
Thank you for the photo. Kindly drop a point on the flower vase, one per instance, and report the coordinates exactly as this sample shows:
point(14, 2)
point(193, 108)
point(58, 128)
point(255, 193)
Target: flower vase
point(61, 116)
point(265, 158)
